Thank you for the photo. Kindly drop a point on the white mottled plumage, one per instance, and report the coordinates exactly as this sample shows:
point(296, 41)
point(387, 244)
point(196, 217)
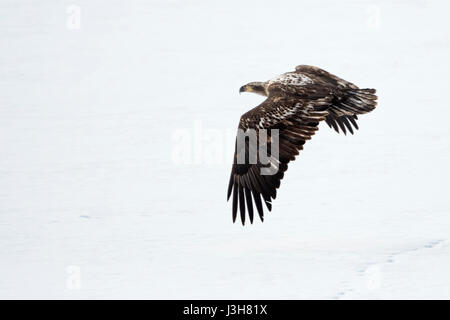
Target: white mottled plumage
point(292, 78)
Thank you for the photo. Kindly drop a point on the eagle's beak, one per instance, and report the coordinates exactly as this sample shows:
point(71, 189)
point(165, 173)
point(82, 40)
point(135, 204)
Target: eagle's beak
point(243, 89)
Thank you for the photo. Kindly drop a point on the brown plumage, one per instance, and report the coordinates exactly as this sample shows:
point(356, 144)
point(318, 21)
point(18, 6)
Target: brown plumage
point(296, 103)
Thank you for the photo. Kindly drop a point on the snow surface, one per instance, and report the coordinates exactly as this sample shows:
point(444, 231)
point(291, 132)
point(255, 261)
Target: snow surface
point(116, 141)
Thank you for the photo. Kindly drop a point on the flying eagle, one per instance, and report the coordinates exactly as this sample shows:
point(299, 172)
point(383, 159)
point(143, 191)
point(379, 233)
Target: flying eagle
point(296, 102)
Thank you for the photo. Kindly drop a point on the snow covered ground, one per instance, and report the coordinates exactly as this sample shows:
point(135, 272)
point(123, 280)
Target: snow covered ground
point(115, 151)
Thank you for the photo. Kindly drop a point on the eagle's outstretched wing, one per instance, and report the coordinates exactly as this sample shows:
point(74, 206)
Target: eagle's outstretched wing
point(296, 120)
point(348, 99)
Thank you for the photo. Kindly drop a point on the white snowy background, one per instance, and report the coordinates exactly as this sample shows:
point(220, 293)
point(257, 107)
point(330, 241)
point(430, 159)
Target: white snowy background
point(116, 139)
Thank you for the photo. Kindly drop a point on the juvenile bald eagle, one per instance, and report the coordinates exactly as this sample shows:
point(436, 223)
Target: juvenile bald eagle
point(296, 102)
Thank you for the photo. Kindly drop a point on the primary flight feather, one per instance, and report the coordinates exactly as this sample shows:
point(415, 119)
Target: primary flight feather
point(296, 102)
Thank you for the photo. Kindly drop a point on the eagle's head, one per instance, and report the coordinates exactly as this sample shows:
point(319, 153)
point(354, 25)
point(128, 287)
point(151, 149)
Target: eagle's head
point(255, 87)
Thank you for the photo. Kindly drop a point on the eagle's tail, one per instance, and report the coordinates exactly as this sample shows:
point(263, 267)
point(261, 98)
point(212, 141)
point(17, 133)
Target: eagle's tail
point(359, 101)
point(344, 112)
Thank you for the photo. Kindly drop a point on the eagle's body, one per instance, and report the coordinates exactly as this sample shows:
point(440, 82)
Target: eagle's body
point(296, 103)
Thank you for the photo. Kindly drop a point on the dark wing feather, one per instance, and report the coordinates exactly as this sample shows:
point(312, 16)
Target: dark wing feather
point(348, 122)
point(242, 203)
point(297, 121)
point(248, 199)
